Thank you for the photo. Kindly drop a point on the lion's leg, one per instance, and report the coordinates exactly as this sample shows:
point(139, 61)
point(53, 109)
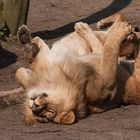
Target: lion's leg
point(29, 116)
point(106, 22)
point(24, 36)
point(31, 47)
point(36, 50)
point(128, 46)
point(23, 76)
point(86, 32)
point(65, 118)
point(28, 48)
point(109, 61)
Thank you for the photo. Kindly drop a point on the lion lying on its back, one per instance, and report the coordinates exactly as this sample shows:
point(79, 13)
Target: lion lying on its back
point(81, 74)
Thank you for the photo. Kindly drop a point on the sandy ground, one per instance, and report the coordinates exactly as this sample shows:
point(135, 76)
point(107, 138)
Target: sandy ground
point(52, 20)
point(117, 124)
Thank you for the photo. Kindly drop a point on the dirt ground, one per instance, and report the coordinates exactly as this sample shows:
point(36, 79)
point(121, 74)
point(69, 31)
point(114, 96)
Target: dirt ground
point(117, 124)
point(51, 20)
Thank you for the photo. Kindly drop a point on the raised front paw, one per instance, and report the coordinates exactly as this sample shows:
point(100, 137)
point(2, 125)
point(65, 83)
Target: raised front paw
point(23, 34)
point(82, 29)
point(104, 23)
point(65, 118)
point(121, 30)
point(135, 35)
point(124, 29)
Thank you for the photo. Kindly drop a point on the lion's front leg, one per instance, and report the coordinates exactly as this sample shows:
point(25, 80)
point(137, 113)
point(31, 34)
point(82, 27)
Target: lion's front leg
point(83, 30)
point(29, 116)
point(109, 61)
point(65, 118)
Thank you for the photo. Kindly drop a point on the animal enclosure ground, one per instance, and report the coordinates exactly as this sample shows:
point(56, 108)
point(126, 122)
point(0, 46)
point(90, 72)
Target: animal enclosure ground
point(51, 20)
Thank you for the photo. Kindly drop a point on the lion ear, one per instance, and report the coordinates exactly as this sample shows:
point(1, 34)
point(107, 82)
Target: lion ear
point(69, 118)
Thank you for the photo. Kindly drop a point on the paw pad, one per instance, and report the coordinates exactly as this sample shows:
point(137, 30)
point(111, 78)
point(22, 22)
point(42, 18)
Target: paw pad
point(23, 34)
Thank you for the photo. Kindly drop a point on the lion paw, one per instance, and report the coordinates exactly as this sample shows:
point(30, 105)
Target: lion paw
point(102, 24)
point(134, 35)
point(82, 29)
point(131, 37)
point(121, 30)
point(57, 120)
point(65, 118)
point(23, 34)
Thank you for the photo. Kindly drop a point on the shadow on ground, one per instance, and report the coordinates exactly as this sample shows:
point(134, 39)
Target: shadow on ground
point(6, 58)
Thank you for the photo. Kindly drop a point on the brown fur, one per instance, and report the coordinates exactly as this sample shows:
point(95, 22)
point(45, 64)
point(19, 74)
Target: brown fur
point(77, 81)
